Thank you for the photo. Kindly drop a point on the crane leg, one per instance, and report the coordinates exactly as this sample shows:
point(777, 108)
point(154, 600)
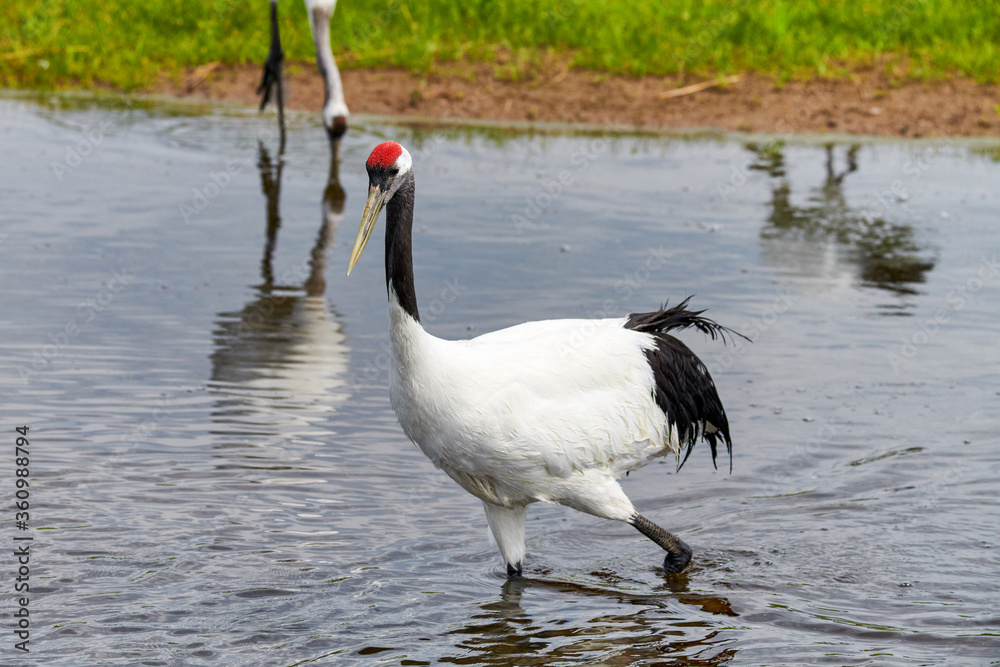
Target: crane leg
point(507, 524)
point(678, 553)
point(271, 78)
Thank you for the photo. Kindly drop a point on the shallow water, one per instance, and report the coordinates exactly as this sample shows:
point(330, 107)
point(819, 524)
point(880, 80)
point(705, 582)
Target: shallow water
point(217, 477)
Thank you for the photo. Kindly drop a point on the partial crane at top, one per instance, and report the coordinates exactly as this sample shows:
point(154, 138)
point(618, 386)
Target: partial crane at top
point(335, 113)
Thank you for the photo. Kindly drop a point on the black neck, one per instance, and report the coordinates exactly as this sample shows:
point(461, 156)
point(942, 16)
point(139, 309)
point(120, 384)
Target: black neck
point(398, 247)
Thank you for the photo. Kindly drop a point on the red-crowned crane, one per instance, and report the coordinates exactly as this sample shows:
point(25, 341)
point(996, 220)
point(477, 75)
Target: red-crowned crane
point(335, 113)
point(555, 410)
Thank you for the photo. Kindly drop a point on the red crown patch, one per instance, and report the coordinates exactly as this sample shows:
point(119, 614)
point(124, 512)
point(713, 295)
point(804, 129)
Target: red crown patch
point(385, 154)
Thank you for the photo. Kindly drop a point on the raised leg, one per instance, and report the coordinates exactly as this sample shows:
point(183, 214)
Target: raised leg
point(678, 553)
point(507, 525)
point(601, 495)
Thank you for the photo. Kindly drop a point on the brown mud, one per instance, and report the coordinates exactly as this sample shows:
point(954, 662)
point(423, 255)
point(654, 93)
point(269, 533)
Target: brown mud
point(866, 103)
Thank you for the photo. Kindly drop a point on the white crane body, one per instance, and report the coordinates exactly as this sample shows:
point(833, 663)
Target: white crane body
point(518, 415)
point(554, 410)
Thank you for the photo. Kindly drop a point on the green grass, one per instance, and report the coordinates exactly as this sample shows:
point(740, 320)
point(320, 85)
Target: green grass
point(128, 44)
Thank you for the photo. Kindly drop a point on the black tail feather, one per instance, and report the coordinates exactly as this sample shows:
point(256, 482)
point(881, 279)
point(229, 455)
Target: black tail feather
point(684, 388)
point(678, 317)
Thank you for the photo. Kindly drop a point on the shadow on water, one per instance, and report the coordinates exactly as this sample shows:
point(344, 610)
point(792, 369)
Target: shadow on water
point(886, 253)
point(283, 347)
point(504, 633)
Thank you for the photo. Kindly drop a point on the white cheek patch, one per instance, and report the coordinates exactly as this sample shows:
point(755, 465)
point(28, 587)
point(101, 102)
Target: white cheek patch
point(404, 163)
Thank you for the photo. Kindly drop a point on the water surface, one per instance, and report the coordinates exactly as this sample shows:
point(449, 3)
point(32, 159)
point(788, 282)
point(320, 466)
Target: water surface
point(217, 477)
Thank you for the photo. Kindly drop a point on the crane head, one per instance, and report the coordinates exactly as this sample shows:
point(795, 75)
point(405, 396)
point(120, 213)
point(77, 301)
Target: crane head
point(388, 166)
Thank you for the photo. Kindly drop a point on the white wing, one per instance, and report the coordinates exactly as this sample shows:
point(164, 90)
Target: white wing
point(534, 403)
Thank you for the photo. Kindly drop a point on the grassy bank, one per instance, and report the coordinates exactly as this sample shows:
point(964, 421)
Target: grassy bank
point(128, 44)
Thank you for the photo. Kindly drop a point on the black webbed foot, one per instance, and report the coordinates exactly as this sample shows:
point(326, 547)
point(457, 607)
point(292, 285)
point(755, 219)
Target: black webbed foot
point(678, 553)
point(677, 559)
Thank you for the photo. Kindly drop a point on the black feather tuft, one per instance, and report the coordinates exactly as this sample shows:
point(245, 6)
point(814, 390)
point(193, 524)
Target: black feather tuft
point(684, 388)
point(666, 319)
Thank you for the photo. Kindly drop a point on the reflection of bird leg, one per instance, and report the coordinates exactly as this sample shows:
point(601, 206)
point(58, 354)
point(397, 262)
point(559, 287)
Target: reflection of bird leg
point(270, 182)
point(833, 191)
point(512, 590)
point(334, 195)
point(783, 213)
point(333, 212)
point(832, 187)
point(271, 78)
point(852, 158)
point(770, 157)
point(852, 164)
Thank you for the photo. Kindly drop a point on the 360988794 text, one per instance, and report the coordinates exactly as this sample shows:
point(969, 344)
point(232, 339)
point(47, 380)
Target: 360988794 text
point(22, 543)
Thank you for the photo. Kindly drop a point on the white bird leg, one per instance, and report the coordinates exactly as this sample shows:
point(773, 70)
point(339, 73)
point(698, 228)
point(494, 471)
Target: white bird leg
point(507, 525)
point(335, 113)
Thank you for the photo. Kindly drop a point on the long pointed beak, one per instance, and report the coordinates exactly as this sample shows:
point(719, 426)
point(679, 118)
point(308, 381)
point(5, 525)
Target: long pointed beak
point(373, 207)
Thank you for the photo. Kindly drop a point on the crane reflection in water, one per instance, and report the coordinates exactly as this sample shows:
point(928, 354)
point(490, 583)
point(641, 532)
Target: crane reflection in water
point(886, 253)
point(282, 357)
point(502, 631)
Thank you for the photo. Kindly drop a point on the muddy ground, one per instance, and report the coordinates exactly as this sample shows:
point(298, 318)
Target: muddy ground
point(868, 103)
